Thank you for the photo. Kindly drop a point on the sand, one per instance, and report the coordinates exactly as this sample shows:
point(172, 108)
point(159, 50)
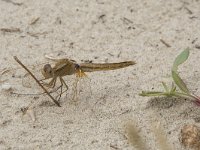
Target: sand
point(99, 31)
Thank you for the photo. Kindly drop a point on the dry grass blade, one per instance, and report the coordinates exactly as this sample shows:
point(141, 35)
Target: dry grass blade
point(165, 43)
point(134, 137)
point(4, 71)
point(19, 62)
point(14, 3)
point(161, 138)
point(34, 20)
point(10, 30)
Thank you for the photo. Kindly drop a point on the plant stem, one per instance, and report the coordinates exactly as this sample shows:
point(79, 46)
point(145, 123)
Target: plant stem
point(186, 95)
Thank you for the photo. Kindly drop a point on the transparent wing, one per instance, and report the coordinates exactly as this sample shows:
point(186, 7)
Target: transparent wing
point(20, 81)
point(30, 84)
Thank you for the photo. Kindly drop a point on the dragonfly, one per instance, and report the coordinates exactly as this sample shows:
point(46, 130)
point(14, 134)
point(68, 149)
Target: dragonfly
point(66, 67)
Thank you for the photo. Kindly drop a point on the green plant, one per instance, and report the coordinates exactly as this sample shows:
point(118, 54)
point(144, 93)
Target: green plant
point(178, 82)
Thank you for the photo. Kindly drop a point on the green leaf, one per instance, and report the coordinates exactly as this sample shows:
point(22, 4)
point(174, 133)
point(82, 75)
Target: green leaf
point(173, 88)
point(144, 93)
point(165, 87)
point(179, 82)
point(181, 58)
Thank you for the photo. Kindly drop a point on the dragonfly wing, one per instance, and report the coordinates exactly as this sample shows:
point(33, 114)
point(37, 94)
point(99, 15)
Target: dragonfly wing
point(57, 56)
point(20, 80)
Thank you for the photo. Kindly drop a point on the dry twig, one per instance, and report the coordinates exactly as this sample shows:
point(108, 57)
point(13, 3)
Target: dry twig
point(38, 82)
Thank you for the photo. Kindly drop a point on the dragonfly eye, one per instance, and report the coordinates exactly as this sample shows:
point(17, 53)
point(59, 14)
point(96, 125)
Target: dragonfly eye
point(47, 71)
point(47, 68)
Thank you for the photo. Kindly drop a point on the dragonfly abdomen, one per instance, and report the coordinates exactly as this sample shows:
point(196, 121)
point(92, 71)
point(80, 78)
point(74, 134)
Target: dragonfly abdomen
point(90, 67)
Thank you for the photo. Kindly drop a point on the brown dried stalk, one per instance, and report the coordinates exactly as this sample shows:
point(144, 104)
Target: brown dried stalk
point(38, 82)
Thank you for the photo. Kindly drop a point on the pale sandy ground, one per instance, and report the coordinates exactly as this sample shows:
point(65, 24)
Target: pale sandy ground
point(101, 31)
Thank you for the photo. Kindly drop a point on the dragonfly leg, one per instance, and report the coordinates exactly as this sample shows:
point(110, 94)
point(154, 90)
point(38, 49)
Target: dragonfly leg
point(42, 81)
point(64, 83)
point(74, 98)
point(61, 87)
point(51, 84)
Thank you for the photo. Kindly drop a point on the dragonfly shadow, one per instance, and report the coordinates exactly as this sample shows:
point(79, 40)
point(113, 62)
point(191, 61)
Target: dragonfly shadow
point(47, 104)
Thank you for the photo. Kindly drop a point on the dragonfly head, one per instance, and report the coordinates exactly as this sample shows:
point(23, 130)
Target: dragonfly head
point(79, 72)
point(77, 66)
point(47, 71)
